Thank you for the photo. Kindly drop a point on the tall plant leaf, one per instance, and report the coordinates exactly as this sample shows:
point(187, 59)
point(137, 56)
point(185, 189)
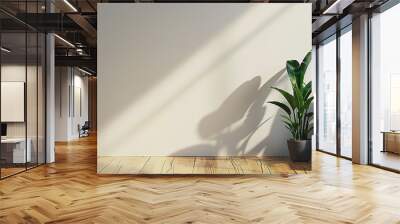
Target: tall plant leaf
point(298, 118)
point(292, 67)
point(282, 106)
point(307, 90)
point(303, 67)
point(299, 98)
point(289, 98)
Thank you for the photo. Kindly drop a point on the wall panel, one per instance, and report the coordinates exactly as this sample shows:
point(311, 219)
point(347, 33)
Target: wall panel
point(194, 79)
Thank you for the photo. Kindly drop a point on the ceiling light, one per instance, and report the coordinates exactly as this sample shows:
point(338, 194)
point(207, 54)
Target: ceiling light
point(84, 71)
point(329, 9)
point(5, 50)
point(70, 5)
point(337, 7)
point(65, 41)
point(79, 51)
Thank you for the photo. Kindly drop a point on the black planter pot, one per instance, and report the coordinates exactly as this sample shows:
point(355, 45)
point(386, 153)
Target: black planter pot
point(299, 150)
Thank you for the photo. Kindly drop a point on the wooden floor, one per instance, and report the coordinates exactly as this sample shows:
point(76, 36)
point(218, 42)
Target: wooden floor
point(5, 172)
point(70, 191)
point(200, 165)
point(9, 171)
point(386, 159)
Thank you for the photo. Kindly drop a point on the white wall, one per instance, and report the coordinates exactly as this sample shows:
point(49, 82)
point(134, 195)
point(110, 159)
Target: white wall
point(81, 114)
point(69, 81)
point(194, 79)
point(62, 80)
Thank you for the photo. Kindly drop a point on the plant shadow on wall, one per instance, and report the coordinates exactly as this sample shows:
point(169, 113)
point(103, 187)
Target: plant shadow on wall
point(229, 129)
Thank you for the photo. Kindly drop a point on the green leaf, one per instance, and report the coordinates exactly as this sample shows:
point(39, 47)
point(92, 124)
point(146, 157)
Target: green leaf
point(309, 130)
point(307, 90)
point(288, 124)
point(308, 85)
point(298, 119)
point(286, 118)
point(289, 98)
point(282, 106)
point(299, 99)
point(292, 68)
point(303, 67)
point(308, 102)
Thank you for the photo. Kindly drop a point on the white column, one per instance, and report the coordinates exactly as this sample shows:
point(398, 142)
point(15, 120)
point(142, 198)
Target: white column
point(50, 100)
point(360, 90)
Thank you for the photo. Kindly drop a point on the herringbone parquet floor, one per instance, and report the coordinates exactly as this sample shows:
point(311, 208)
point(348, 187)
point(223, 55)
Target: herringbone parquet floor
point(70, 191)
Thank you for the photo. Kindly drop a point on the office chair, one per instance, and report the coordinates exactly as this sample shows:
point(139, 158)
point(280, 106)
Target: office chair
point(84, 130)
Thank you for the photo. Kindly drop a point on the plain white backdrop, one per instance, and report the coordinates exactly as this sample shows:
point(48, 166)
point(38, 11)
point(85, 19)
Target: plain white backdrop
point(194, 79)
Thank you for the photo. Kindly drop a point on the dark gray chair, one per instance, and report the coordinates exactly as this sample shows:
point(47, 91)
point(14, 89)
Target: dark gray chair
point(84, 130)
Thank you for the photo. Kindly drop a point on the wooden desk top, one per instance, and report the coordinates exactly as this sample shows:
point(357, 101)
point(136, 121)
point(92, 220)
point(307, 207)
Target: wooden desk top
point(391, 132)
point(13, 140)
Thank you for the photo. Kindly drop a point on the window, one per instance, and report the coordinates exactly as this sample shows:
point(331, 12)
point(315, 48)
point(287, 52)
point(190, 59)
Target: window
point(327, 95)
point(346, 92)
point(385, 89)
point(334, 106)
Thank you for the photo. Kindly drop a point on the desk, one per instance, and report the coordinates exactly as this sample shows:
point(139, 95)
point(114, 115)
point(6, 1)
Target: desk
point(13, 150)
point(391, 141)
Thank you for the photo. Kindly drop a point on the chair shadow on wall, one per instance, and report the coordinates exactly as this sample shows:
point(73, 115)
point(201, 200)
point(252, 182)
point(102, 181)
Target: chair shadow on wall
point(229, 129)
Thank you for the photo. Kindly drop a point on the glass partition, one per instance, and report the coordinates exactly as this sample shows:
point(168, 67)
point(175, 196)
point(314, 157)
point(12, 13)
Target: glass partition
point(22, 100)
point(14, 155)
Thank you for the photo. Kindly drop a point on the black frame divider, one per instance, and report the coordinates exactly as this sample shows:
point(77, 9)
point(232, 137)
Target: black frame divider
point(316, 125)
point(369, 125)
point(338, 95)
point(37, 90)
point(26, 88)
point(0, 97)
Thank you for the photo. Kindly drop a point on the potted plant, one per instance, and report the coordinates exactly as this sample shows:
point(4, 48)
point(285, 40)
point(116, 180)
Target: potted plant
point(297, 117)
